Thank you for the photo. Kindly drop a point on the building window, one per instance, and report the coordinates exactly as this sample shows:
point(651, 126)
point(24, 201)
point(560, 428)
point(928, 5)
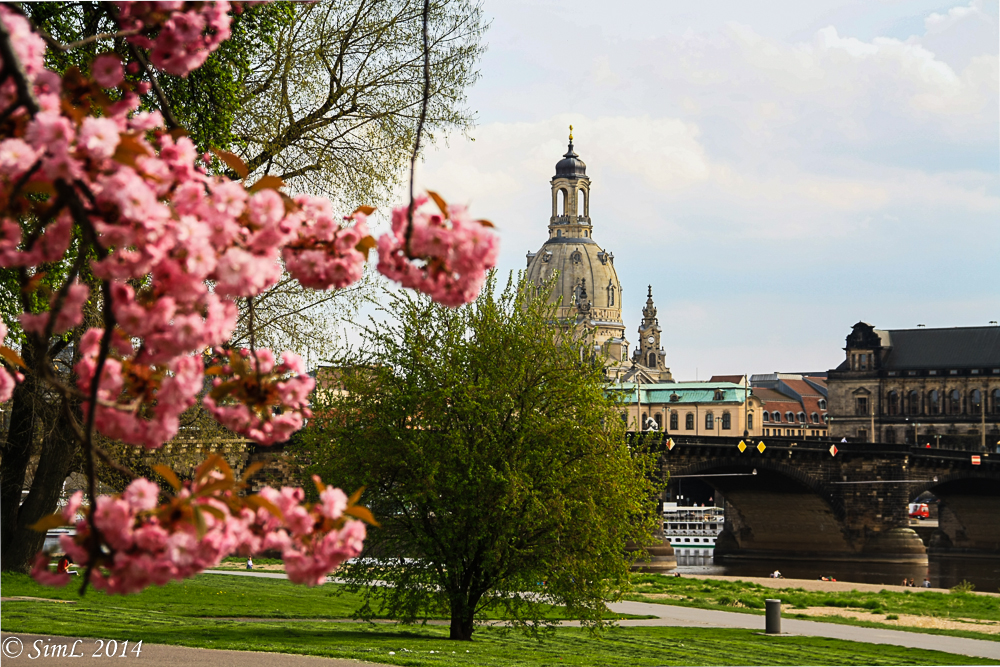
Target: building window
point(719, 395)
point(890, 436)
point(996, 401)
point(643, 422)
point(862, 435)
point(750, 421)
point(802, 417)
point(652, 360)
point(673, 421)
point(689, 421)
point(892, 403)
point(766, 416)
point(861, 405)
point(934, 402)
point(789, 417)
point(822, 404)
point(709, 421)
point(975, 401)
point(562, 202)
point(815, 418)
point(726, 423)
point(559, 233)
point(914, 403)
point(954, 402)
point(659, 421)
point(776, 416)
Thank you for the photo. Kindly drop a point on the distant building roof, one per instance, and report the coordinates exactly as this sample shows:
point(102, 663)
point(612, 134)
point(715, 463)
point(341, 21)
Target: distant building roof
point(684, 392)
point(735, 379)
point(957, 347)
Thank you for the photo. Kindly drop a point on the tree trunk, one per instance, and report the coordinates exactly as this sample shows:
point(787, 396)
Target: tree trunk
point(16, 451)
point(463, 614)
point(461, 625)
point(18, 543)
point(54, 464)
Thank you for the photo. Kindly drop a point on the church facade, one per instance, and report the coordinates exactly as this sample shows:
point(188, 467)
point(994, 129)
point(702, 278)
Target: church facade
point(586, 285)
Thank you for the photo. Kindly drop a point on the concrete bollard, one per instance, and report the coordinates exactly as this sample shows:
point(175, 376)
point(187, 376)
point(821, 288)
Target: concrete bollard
point(772, 623)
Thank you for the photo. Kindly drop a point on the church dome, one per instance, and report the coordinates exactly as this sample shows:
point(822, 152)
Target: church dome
point(571, 166)
point(583, 272)
point(584, 279)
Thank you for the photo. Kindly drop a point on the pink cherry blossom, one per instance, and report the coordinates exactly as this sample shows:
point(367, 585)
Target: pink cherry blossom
point(98, 137)
point(142, 495)
point(447, 255)
point(16, 157)
point(107, 70)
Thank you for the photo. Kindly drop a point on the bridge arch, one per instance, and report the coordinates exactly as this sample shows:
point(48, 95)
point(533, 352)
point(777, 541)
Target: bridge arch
point(779, 511)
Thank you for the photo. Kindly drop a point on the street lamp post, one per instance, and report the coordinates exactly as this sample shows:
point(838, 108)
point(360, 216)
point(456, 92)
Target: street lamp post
point(746, 405)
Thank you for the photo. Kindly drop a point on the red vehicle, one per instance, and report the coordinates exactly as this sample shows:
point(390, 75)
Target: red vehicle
point(919, 511)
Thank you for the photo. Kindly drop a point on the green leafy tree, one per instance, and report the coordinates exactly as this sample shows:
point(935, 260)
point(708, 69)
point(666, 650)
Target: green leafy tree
point(493, 459)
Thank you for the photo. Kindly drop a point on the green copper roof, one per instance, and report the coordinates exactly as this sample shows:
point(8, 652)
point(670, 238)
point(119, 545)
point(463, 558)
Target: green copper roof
point(686, 392)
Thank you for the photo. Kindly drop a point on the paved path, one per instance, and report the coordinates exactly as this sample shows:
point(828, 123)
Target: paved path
point(151, 654)
point(668, 615)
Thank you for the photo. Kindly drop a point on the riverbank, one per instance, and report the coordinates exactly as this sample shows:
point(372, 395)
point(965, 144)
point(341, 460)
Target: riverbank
point(827, 586)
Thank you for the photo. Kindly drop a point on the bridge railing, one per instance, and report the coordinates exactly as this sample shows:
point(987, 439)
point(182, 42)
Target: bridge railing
point(658, 441)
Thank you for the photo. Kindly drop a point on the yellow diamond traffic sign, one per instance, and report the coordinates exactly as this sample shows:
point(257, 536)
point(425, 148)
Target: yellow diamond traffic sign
point(742, 446)
point(761, 447)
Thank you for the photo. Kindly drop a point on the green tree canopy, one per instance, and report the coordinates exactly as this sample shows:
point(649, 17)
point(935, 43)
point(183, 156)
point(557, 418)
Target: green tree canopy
point(494, 461)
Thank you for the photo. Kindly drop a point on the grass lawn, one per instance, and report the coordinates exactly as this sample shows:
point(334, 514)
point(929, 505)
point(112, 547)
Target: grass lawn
point(201, 612)
point(748, 597)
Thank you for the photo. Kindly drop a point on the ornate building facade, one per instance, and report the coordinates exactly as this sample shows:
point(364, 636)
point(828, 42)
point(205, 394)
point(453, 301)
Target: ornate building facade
point(920, 386)
point(586, 284)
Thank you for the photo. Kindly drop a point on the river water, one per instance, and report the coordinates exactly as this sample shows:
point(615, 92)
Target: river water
point(943, 571)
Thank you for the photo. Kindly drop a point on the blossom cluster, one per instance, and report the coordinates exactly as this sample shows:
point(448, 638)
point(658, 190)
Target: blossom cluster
point(185, 32)
point(253, 387)
point(323, 253)
point(443, 253)
point(166, 230)
point(143, 542)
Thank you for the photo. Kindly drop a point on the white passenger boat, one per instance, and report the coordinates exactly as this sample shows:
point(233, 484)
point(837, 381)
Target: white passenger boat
point(692, 532)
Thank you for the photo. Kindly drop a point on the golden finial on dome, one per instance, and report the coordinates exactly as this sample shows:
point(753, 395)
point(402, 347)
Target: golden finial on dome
point(571, 133)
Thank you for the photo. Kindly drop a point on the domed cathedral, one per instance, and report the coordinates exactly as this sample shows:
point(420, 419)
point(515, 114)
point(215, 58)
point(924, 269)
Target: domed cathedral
point(586, 281)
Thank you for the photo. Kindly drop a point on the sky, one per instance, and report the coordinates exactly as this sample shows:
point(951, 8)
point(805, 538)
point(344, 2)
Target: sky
point(776, 170)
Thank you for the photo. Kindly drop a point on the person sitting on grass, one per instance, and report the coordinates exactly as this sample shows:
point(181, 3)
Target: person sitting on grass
point(63, 566)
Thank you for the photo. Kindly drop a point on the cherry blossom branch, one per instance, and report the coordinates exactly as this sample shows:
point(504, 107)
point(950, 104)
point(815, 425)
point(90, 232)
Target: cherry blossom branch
point(165, 108)
point(421, 120)
point(15, 69)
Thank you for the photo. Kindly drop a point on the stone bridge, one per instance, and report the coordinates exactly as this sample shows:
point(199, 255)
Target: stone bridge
point(801, 499)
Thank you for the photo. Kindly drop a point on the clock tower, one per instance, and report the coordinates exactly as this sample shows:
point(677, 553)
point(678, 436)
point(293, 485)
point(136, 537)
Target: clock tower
point(649, 355)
